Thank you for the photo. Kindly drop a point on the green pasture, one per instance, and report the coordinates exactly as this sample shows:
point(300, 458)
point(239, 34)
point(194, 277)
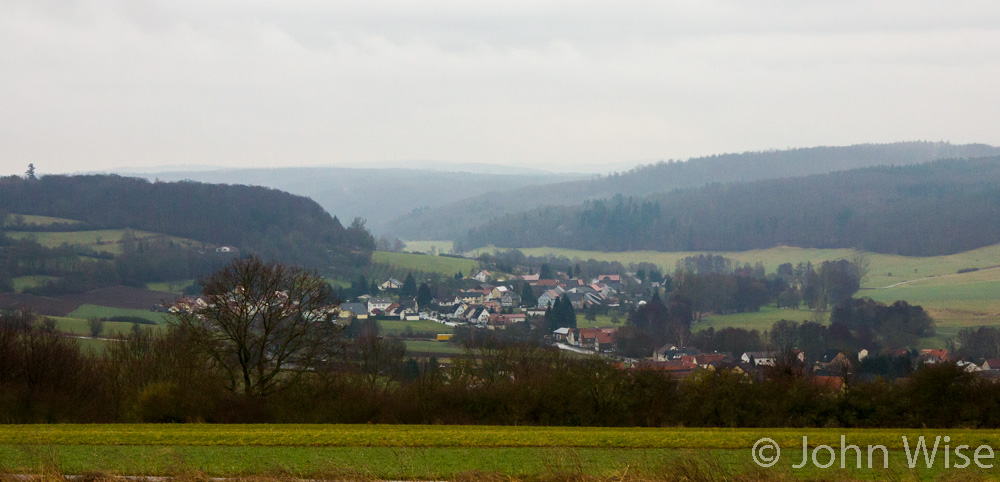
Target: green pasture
point(433, 347)
point(959, 300)
point(22, 283)
point(97, 240)
point(420, 452)
point(40, 220)
point(79, 326)
point(95, 311)
point(425, 246)
point(397, 327)
point(600, 321)
point(426, 263)
point(175, 287)
point(759, 320)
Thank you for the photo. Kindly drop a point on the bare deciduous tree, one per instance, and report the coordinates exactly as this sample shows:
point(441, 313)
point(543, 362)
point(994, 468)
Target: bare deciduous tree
point(863, 262)
point(96, 326)
point(263, 323)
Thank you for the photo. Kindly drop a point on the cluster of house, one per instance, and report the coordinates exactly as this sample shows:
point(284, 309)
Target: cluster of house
point(828, 370)
point(490, 304)
point(596, 340)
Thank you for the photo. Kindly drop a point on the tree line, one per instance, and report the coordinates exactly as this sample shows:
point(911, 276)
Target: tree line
point(46, 377)
point(930, 209)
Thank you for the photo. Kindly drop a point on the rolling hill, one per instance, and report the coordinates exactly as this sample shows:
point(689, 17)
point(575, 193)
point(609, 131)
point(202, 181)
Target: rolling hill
point(930, 209)
point(271, 223)
point(454, 219)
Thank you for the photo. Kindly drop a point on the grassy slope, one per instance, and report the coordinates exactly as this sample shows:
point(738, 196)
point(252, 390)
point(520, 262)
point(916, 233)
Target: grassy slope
point(22, 283)
point(426, 263)
point(94, 311)
point(176, 287)
point(98, 239)
point(42, 220)
point(78, 326)
point(428, 452)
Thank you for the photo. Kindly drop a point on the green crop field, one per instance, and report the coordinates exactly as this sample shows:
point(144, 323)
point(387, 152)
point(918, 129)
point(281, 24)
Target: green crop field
point(425, 262)
point(433, 347)
point(79, 326)
point(760, 320)
point(427, 246)
point(176, 287)
point(97, 240)
point(600, 321)
point(419, 452)
point(22, 283)
point(396, 327)
point(94, 311)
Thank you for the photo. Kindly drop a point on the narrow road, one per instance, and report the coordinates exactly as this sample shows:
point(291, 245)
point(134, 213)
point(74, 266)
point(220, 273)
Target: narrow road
point(933, 277)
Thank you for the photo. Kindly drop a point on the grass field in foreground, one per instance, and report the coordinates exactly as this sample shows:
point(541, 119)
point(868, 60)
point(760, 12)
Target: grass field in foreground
point(424, 262)
point(435, 452)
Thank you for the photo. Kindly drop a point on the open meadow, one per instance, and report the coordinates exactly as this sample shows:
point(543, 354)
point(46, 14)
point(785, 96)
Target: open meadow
point(444, 265)
point(33, 219)
point(420, 452)
point(98, 240)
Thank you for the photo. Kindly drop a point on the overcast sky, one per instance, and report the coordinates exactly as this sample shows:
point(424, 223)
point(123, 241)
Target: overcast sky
point(558, 85)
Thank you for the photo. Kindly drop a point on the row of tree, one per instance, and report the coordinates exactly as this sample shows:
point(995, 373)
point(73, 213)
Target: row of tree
point(47, 377)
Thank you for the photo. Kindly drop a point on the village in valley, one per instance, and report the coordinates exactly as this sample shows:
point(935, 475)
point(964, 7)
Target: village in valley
point(493, 302)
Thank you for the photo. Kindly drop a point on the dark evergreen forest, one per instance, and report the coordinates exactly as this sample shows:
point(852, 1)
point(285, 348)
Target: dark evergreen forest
point(930, 209)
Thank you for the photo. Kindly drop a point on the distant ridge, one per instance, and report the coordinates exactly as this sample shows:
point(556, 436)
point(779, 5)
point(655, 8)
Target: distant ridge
point(453, 220)
point(377, 195)
point(930, 209)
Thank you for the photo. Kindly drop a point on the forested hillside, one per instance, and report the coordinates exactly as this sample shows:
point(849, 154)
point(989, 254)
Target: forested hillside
point(931, 209)
point(456, 218)
point(265, 221)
